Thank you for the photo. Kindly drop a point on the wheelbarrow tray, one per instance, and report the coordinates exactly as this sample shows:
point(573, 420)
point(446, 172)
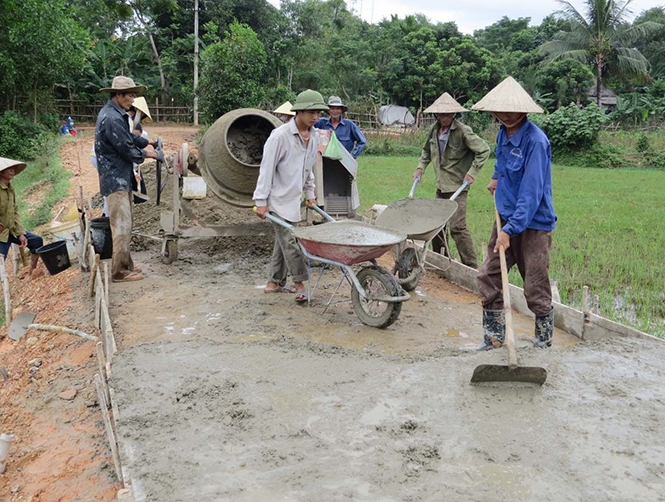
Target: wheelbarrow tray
point(348, 242)
point(419, 219)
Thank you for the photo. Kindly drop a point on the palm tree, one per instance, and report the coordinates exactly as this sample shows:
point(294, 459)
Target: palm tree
point(603, 38)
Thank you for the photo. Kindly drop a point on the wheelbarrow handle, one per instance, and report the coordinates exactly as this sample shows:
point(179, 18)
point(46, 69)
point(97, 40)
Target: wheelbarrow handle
point(277, 220)
point(413, 187)
point(322, 212)
point(459, 190)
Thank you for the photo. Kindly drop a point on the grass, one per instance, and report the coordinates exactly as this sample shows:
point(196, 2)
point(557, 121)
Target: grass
point(609, 235)
point(47, 173)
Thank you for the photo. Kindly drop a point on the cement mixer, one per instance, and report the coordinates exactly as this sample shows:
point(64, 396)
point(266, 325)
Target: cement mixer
point(230, 155)
point(231, 151)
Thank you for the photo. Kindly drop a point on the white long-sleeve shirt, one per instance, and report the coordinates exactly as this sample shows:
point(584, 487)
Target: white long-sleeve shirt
point(286, 171)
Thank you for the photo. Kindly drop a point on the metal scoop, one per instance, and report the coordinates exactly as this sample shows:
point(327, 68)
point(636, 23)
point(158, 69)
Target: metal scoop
point(513, 372)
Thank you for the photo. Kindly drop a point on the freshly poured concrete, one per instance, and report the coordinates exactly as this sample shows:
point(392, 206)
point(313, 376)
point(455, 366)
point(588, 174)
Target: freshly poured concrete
point(226, 393)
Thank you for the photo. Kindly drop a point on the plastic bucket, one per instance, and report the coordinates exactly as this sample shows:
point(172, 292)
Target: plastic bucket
point(65, 231)
point(102, 238)
point(55, 257)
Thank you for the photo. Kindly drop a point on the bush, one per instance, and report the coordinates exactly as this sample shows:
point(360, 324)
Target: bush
point(598, 155)
point(21, 139)
point(572, 127)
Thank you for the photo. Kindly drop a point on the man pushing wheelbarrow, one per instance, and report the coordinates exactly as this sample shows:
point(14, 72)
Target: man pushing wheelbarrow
point(286, 171)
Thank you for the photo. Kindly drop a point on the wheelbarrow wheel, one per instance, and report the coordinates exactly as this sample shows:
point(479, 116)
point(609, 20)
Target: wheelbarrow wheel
point(407, 265)
point(376, 282)
point(170, 252)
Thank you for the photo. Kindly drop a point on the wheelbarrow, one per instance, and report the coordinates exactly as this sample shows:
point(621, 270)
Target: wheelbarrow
point(375, 293)
point(420, 220)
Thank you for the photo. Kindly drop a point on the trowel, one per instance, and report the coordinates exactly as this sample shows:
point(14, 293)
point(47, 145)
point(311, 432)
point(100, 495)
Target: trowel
point(513, 372)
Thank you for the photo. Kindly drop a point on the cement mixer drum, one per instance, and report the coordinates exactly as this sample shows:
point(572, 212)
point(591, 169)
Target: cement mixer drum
point(231, 151)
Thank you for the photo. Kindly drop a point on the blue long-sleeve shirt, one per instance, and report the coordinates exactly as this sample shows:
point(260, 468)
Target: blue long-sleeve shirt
point(524, 172)
point(348, 134)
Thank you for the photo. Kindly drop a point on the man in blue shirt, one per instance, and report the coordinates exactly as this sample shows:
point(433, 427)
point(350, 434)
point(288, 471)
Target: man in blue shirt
point(522, 187)
point(347, 132)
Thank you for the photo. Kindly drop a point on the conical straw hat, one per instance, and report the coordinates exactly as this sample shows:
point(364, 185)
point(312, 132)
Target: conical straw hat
point(285, 109)
point(7, 163)
point(445, 104)
point(141, 104)
point(508, 96)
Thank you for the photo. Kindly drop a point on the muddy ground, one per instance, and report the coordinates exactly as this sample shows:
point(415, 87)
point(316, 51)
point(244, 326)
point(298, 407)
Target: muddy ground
point(226, 393)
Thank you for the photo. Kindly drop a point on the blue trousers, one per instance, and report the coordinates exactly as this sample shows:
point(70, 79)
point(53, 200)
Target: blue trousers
point(34, 243)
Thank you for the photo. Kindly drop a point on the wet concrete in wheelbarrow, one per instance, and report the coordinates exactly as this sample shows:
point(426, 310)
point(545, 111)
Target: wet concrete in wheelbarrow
point(226, 393)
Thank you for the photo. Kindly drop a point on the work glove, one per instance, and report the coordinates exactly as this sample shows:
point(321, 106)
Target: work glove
point(160, 155)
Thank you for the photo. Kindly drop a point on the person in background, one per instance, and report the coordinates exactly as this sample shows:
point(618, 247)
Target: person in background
point(457, 154)
point(138, 112)
point(347, 132)
point(12, 230)
point(284, 112)
point(116, 151)
point(522, 188)
point(286, 172)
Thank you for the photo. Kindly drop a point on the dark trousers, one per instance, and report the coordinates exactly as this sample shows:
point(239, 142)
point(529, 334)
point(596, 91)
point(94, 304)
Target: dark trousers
point(34, 243)
point(530, 251)
point(458, 230)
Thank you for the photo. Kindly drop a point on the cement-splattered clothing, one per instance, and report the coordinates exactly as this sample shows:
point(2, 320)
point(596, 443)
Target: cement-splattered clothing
point(120, 215)
point(286, 171)
point(524, 200)
point(287, 258)
point(530, 251)
point(116, 150)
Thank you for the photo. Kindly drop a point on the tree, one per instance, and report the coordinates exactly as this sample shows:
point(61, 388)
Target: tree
point(231, 72)
point(567, 81)
point(653, 46)
point(603, 38)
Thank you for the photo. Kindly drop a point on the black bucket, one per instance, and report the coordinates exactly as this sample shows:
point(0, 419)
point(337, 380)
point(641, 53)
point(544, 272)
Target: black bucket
point(55, 257)
point(102, 238)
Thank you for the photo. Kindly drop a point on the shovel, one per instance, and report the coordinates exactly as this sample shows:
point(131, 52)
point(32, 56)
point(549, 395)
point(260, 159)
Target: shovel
point(513, 372)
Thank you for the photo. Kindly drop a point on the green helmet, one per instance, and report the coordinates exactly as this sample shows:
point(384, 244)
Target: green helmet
point(309, 100)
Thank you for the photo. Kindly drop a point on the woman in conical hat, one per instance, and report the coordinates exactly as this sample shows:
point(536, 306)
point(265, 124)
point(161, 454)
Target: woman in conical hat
point(457, 154)
point(522, 188)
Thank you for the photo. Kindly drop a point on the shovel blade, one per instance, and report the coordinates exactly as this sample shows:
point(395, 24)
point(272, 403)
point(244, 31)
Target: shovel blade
point(20, 324)
point(500, 373)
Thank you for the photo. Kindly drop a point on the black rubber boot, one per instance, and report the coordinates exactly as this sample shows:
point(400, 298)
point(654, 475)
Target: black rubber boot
point(544, 330)
point(494, 329)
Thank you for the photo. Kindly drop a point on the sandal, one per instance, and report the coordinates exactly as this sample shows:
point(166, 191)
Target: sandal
point(301, 297)
point(132, 276)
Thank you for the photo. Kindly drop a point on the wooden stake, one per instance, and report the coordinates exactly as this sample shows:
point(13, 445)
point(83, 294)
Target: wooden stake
point(556, 296)
point(99, 349)
point(103, 404)
point(106, 281)
point(93, 274)
point(5, 290)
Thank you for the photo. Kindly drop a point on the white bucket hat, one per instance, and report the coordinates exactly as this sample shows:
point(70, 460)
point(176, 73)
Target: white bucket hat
point(7, 163)
point(508, 96)
point(124, 84)
point(285, 109)
point(445, 104)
